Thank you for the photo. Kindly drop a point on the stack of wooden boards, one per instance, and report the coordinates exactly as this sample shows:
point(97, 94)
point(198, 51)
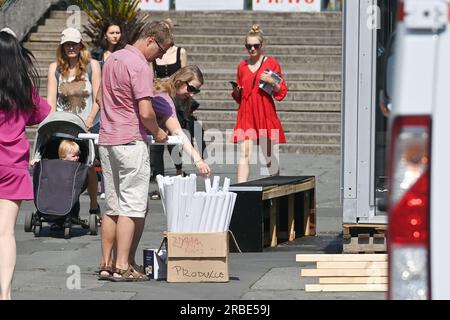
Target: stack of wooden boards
point(346, 272)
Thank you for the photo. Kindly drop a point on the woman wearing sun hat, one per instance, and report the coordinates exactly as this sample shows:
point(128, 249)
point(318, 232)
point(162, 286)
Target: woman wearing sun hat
point(73, 82)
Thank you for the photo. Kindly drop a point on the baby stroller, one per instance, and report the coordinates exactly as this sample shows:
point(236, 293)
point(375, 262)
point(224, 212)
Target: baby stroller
point(58, 183)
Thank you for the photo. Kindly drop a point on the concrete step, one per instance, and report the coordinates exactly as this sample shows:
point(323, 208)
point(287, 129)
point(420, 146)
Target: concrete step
point(292, 84)
point(295, 148)
point(234, 60)
point(211, 85)
point(214, 15)
point(245, 25)
point(268, 49)
point(289, 104)
point(289, 75)
point(272, 40)
point(291, 96)
point(285, 116)
point(301, 106)
point(295, 127)
point(44, 52)
point(314, 138)
point(232, 30)
point(318, 149)
point(225, 13)
point(55, 37)
point(42, 67)
point(217, 137)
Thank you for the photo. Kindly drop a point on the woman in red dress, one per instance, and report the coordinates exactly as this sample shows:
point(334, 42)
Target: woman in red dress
point(257, 120)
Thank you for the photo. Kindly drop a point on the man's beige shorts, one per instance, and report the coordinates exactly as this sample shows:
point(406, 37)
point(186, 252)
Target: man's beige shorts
point(126, 170)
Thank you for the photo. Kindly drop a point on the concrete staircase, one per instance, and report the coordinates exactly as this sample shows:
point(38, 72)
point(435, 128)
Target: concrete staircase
point(308, 47)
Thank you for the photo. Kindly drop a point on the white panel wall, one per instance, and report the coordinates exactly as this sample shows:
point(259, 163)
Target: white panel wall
point(155, 5)
point(288, 5)
point(191, 5)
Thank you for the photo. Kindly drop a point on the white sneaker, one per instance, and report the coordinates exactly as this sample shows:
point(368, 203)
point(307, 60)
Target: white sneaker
point(102, 196)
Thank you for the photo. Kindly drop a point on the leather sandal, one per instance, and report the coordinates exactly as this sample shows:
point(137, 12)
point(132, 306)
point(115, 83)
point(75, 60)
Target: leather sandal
point(138, 268)
point(105, 269)
point(128, 275)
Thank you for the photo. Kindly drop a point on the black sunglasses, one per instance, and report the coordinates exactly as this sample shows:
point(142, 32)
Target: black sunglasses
point(256, 46)
point(192, 89)
point(160, 48)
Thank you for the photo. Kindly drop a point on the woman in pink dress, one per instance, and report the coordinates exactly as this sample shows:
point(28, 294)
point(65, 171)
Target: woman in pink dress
point(20, 106)
point(257, 120)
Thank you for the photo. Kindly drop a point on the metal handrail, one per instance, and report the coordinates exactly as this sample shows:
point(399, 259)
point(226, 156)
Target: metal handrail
point(4, 5)
point(22, 15)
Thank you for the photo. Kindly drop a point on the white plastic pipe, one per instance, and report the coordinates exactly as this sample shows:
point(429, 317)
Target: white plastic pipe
point(226, 184)
point(195, 211)
point(169, 204)
point(205, 213)
point(218, 213)
point(216, 183)
point(230, 210)
point(222, 227)
point(176, 200)
point(208, 185)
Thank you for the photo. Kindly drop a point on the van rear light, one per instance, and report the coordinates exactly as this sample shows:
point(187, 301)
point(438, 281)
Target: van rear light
point(408, 234)
point(401, 11)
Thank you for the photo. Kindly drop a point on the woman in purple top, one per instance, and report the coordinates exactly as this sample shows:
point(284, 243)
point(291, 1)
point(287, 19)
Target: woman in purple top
point(183, 84)
point(20, 106)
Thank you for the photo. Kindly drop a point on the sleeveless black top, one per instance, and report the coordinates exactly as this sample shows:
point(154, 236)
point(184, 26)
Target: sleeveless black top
point(166, 70)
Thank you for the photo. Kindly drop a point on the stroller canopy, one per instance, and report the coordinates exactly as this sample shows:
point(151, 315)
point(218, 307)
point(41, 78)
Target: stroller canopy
point(62, 125)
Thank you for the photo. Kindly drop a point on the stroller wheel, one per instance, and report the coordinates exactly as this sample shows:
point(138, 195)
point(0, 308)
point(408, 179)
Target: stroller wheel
point(67, 233)
point(37, 231)
point(28, 222)
point(93, 226)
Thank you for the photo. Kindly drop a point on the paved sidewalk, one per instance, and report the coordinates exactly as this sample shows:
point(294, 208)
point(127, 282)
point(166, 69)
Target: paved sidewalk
point(44, 264)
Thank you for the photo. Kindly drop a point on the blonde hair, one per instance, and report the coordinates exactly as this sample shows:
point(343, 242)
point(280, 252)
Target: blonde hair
point(66, 147)
point(62, 61)
point(255, 31)
point(176, 80)
point(169, 23)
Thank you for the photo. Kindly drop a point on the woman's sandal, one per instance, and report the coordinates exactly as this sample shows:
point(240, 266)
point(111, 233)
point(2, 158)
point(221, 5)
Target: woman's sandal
point(138, 268)
point(105, 273)
point(128, 275)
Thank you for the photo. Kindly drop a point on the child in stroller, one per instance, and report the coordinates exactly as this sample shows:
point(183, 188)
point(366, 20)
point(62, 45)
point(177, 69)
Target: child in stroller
point(69, 150)
point(57, 182)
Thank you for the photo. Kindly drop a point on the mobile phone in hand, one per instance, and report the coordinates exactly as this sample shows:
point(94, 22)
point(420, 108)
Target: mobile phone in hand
point(234, 84)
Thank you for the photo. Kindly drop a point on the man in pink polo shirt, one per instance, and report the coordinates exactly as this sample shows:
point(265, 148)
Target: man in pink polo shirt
point(126, 114)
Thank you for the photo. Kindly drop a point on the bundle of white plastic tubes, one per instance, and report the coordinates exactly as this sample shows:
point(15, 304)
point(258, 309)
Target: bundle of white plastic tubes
point(190, 211)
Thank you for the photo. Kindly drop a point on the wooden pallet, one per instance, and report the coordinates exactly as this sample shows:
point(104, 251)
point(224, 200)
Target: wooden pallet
point(346, 272)
point(364, 238)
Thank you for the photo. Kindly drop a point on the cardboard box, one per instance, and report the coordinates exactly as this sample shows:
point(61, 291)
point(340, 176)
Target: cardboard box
point(197, 257)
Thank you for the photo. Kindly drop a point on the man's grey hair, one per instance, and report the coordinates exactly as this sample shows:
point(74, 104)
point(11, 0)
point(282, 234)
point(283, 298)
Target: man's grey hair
point(158, 30)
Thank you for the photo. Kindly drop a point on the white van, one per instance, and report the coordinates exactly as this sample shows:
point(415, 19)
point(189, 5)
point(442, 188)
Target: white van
point(419, 164)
